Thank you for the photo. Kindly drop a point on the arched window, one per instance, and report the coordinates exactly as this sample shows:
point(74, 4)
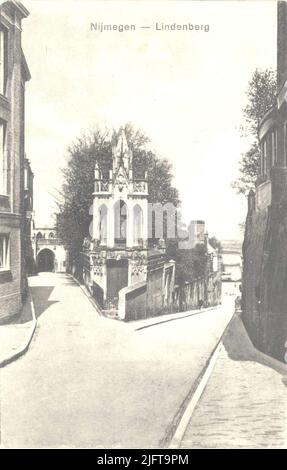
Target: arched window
point(120, 221)
point(103, 223)
point(138, 225)
point(39, 235)
point(51, 235)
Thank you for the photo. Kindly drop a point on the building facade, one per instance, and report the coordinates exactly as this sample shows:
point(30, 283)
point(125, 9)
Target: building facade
point(196, 231)
point(264, 293)
point(14, 73)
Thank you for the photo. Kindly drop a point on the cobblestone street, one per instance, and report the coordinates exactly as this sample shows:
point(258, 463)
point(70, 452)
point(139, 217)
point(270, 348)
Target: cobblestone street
point(244, 404)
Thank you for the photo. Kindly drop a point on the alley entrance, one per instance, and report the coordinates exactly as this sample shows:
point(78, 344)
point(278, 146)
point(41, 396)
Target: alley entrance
point(46, 260)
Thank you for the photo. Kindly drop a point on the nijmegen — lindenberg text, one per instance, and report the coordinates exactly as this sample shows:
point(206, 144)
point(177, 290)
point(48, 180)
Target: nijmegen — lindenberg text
point(181, 27)
point(101, 27)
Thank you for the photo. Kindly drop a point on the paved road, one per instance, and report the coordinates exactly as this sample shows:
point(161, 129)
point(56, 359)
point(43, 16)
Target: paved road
point(88, 381)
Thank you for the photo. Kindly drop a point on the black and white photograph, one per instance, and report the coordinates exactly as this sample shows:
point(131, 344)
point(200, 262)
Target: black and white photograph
point(143, 226)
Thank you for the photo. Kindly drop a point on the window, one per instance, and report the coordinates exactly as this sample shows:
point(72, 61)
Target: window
point(264, 158)
point(3, 188)
point(3, 48)
point(4, 252)
point(274, 148)
point(26, 186)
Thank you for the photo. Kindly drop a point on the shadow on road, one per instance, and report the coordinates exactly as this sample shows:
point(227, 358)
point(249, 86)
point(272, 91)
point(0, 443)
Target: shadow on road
point(40, 297)
point(240, 348)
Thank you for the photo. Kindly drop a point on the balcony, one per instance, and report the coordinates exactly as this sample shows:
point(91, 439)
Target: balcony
point(140, 187)
point(103, 187)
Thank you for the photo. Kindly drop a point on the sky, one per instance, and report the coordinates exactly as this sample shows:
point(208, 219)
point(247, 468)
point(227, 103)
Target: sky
point(184, 89)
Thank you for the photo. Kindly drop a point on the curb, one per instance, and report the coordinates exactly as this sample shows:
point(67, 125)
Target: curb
point(177, 429)
point(174, 316)
point(88, 295)
point(24, 348)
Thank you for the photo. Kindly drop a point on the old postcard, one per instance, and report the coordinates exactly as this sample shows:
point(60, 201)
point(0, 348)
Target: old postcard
point(143, 226)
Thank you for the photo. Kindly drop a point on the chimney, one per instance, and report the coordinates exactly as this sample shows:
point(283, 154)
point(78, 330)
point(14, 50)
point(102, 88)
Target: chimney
point(281, 44)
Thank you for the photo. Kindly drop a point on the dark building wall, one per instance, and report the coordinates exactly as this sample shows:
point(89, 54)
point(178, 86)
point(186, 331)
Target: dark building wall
point(264, 287)
point(281, 44)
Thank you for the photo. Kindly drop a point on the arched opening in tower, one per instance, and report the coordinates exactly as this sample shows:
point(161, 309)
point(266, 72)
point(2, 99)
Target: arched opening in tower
point(103, 224)
point(120, 220)
point(138, 225)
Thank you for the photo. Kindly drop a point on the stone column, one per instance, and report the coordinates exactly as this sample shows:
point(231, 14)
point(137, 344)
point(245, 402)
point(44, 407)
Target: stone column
point(111, 227)
point(95, 223)
point(130, 226)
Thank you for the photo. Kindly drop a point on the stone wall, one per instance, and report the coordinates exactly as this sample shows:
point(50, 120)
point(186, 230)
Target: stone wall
point(132, 302)
point(198, 293)
point(264, 286)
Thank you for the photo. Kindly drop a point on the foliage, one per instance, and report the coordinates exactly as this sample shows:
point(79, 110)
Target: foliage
point(190, 264)
point(215, 244)
point(261, 95)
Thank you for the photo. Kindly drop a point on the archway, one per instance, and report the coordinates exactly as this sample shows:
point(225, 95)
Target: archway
point(46, 260)
point(120, 220)
point(103, 224)
point(138, 225)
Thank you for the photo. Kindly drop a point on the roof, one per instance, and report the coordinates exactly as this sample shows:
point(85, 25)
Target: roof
point(18, 5)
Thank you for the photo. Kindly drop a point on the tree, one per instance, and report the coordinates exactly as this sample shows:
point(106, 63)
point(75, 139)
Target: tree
point(261, 95)
point(190, 264)
point(216, 244)
point(75, 197)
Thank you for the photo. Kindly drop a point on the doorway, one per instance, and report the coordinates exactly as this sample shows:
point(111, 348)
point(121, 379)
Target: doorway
point(46, 261)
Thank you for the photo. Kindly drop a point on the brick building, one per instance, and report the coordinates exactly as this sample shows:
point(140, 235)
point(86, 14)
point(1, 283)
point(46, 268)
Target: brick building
point(14, 73)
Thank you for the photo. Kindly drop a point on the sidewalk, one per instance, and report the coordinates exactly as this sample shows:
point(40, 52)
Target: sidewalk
point(16, 336)
point(244, 404)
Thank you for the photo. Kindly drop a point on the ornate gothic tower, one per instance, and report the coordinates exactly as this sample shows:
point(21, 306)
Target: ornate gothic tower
point(118, 250)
